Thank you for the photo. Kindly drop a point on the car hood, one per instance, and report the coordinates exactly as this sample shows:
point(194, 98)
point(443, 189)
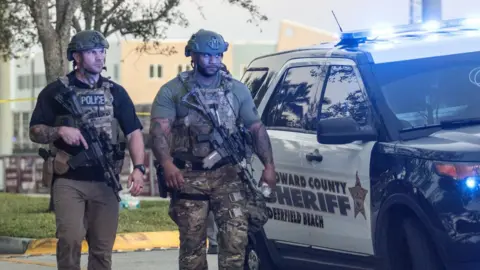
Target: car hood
point(461, 144)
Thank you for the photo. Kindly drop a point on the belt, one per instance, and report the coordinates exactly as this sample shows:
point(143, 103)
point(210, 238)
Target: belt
point(198, 166)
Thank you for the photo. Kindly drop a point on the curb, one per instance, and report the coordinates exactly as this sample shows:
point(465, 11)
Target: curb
point(124, 242)
point(13, 245)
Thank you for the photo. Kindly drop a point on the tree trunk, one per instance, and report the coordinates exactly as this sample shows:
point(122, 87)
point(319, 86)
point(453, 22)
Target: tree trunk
point(55, 56)
point(56, 65)
point(54, 40)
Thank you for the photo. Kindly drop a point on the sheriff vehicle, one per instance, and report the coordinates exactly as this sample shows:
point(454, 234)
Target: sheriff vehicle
point(376, 141)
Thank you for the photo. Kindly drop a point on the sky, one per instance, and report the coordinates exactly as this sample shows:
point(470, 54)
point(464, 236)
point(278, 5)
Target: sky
point(230, 21)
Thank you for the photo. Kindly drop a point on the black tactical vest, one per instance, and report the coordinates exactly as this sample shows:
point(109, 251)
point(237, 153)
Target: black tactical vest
point(97, 104)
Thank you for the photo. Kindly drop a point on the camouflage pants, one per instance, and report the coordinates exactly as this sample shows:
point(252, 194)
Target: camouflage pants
point(227, 202)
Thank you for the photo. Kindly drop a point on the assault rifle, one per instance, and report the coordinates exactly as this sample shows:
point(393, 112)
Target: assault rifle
point(98, 145)
point(234, 147)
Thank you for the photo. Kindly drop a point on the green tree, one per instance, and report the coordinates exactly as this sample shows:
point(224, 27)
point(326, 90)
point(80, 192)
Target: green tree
point(25, 23)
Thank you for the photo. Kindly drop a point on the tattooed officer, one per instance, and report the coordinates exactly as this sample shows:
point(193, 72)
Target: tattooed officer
point(175, 129)
point(85, 207)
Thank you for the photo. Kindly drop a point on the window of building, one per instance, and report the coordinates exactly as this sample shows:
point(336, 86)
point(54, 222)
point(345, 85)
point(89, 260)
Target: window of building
point(25, 127)
point(39, 80)
point(20, 82)
point(159, 71)
point(156, 71)
point(152, 71)
point(116, 72)
point(16, 126)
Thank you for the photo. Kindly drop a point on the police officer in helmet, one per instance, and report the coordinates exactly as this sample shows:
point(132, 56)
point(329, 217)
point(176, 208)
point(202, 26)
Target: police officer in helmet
point(175, 128)
point(85, 207)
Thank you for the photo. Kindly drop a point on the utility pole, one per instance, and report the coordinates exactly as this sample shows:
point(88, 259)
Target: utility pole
point(415, 11)
point(425, 10)
point(431, 10)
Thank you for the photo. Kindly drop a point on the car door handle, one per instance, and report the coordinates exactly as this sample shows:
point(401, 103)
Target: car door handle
point(314, 156)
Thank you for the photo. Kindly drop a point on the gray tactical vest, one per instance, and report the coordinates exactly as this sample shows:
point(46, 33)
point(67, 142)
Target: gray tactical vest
point(187, 127)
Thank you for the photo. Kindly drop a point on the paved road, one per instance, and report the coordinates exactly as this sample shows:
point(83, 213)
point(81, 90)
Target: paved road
point(147, 260)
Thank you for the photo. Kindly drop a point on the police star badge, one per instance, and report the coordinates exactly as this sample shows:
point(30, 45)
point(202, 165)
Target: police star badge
point(358, 194)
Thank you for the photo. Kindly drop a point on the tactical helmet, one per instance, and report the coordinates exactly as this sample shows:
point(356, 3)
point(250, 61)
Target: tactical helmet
point(86, 40)
point(205, 41)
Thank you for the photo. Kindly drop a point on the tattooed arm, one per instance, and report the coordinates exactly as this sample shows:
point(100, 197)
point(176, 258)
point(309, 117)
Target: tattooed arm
point(160, 132)
point(162, 115)
point(42, 121)
point(261, 141)
point(249, 114)
point(261, 144)
point(44, 134)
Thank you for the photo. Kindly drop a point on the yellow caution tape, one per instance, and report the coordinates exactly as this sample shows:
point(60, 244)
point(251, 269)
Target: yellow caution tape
point(30, 99)
point(16, 99)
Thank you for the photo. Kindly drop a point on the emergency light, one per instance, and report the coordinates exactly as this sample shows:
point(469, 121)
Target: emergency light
point(417, 29)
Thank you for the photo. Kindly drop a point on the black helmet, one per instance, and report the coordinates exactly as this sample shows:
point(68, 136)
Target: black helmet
point(86, 40)
point(205, 41)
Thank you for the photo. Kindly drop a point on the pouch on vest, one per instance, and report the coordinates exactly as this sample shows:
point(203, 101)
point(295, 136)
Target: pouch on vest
point(47, 172)
point(60, 165)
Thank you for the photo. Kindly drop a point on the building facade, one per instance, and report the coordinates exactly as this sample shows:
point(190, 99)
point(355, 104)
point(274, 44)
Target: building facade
point(245, 52)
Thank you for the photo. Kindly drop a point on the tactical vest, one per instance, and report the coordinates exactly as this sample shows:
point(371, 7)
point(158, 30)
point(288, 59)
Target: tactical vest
point(191, 122)
point(97, 103)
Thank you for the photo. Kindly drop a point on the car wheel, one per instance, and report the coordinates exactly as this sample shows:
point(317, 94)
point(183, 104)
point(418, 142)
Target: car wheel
point(422, 252)
point(408, 247)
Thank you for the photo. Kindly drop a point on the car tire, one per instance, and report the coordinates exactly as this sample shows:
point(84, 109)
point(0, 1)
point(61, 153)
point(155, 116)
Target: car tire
point(422, 252)
point(256, 255)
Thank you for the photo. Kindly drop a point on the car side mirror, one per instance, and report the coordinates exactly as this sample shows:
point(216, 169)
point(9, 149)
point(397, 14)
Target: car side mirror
point(343, 130)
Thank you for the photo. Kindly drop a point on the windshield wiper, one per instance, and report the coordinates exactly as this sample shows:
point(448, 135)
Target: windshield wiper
point(446, 124)
point(460, 122)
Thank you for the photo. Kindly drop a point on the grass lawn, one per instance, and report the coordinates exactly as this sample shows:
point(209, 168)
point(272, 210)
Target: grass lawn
point(23, 216)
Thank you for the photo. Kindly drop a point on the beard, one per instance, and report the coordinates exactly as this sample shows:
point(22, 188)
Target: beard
point(92, 70)
point(207, 72)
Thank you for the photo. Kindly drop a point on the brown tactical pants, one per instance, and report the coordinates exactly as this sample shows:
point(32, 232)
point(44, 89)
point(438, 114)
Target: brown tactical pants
point(227, 202)
point(85, 210)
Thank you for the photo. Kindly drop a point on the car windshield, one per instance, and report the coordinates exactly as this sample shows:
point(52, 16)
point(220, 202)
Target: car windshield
point(425, 92)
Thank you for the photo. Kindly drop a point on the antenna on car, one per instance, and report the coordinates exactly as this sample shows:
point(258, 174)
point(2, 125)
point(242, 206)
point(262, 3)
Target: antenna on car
point(339, 26)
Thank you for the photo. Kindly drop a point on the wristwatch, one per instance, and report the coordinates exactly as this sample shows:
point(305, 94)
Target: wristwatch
point(141, 167)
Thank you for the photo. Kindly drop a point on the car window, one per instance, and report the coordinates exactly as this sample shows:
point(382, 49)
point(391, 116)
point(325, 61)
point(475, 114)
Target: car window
point(295, 100)
point(343, 96)
point(427, 91)
point(253, 79)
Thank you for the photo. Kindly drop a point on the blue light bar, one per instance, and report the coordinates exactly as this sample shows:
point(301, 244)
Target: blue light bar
point(417, 28)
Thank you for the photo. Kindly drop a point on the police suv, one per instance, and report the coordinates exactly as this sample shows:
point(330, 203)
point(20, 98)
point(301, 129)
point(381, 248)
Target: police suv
point(376, 141)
